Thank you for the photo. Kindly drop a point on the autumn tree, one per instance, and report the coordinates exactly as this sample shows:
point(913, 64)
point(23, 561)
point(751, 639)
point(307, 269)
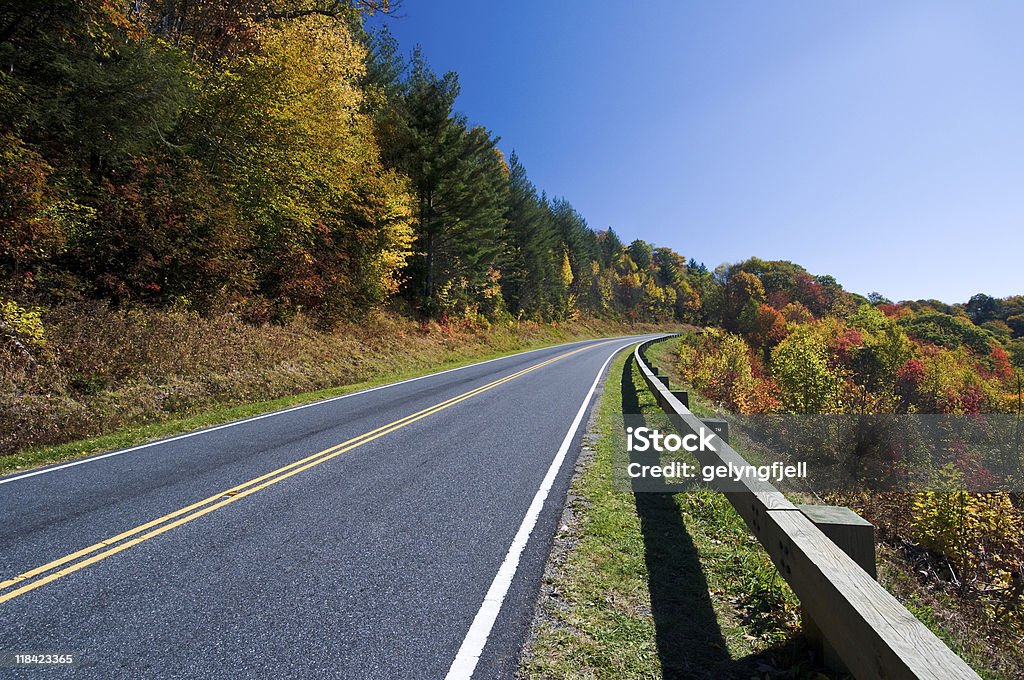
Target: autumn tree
point(807, 382)
point(582, 253)
point(768, 329)
point(743, 297)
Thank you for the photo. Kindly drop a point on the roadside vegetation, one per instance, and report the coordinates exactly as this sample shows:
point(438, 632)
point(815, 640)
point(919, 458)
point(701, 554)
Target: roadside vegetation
point(269, 198)
point(653, 585)
point(275, 159)
point(952, 557)
point(662, 585)
point(114, 378)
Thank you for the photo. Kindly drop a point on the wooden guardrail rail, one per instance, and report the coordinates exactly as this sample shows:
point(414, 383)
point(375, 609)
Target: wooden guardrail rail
point(867, 628)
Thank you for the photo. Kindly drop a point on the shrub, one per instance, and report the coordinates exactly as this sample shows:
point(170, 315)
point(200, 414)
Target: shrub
point(801, 366)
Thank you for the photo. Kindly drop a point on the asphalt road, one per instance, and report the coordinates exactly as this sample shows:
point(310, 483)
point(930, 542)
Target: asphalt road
point(354, 538)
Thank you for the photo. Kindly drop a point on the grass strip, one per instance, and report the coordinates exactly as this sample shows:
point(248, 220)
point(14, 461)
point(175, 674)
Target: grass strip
point(656, 585)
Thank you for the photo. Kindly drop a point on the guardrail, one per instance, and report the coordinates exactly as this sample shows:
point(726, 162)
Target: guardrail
point(871, 633)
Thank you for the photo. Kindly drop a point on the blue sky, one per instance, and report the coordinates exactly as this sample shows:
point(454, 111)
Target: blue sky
point(882, 143)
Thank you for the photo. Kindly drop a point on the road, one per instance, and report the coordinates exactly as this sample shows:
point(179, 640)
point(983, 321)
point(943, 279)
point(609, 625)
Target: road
point(399, 532)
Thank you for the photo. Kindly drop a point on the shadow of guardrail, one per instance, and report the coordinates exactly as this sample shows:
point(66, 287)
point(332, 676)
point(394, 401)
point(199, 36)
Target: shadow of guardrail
point(689, 639)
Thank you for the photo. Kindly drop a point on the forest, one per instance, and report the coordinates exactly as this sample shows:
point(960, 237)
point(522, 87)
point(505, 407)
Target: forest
point(273, 162)
point(274, 159)
point(221, 202)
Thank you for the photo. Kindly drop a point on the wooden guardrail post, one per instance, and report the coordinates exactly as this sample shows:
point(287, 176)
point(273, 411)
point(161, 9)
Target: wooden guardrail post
point(851, 532)
point(855, 536)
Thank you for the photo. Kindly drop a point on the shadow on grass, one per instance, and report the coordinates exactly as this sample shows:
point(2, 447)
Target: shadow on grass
point(689, 640)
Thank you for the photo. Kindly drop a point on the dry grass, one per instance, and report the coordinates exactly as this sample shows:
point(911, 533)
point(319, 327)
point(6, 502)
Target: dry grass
point(103, 370)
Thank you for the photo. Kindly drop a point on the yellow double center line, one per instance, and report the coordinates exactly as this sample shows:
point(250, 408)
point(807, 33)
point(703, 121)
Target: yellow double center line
point(96, 552)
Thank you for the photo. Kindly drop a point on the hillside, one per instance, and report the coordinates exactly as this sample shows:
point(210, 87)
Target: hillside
point(215, 172)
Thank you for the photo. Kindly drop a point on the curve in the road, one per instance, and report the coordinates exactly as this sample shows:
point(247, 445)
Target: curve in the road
point(424, 543)
point(118, 543)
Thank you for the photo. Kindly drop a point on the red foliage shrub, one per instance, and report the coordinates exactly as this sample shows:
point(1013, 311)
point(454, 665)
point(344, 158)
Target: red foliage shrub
point(845, 344)
point(892, 310)
point(809, 292)
point(769, 327)
point(1002, 367)
point(910, 373)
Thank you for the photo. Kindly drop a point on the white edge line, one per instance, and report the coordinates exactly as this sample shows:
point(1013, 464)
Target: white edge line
point(91, 459)
point(464, 665)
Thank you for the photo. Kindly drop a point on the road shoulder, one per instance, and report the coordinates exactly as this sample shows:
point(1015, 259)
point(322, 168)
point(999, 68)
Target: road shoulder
point(655, 585)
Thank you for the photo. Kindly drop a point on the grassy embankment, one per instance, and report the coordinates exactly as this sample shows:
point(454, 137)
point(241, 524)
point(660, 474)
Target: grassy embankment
point(968, 633)
point(657, 585)
point(108, 379)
